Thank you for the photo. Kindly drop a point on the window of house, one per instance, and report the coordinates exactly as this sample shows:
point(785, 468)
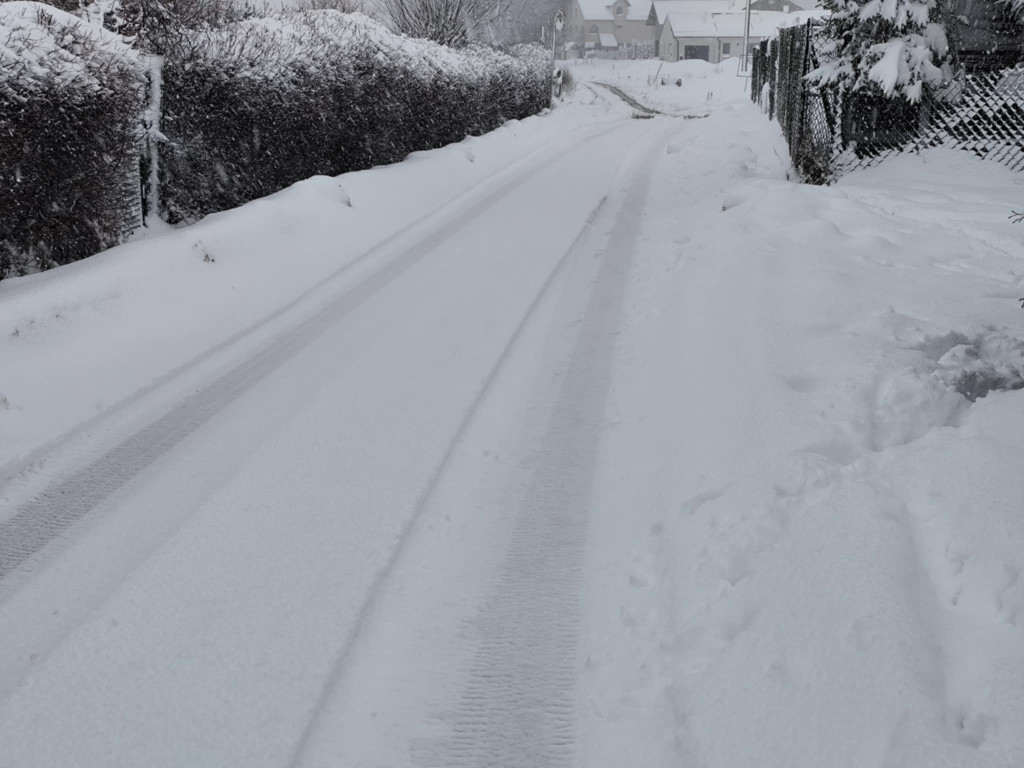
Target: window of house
point(726, 47)
point(618, 11)
point(593, 27)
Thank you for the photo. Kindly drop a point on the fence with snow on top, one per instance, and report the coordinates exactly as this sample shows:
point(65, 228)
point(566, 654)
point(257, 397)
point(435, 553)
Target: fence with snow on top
point(831, 131)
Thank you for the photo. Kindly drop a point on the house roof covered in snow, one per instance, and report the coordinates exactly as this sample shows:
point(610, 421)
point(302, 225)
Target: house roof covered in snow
point(762, 23)
point(608, 40)
point(602, 9)
point(661, 9)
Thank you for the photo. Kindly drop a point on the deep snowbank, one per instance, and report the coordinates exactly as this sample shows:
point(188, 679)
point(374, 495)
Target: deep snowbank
point(816, 535)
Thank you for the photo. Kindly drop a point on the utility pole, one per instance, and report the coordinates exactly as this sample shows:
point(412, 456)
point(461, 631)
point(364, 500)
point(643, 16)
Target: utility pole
point(744, 70)
point(556, 27)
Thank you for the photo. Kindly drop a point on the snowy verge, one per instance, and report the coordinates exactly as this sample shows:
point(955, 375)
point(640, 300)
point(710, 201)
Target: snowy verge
point(78, 340)
point(808, 537)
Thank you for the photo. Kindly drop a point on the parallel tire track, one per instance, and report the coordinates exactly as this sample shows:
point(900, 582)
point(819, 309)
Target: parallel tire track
point(518, 708)
point(42, 519)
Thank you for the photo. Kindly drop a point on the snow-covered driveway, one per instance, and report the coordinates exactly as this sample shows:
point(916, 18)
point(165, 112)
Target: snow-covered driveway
point(590, 443)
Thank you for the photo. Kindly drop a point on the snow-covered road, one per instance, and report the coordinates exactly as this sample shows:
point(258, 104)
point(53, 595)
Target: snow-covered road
point(240, 550)
point(593, 442)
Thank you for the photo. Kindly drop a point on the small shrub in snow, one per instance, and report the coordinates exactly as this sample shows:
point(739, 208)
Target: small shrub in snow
point(636, 49)
point(71, 96)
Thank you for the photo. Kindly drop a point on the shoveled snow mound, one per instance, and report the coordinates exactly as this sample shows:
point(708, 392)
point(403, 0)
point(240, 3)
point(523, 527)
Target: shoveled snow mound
point(809, 521)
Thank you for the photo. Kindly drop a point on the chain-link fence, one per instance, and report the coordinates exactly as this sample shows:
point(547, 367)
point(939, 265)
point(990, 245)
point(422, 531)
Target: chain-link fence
point(831, 131)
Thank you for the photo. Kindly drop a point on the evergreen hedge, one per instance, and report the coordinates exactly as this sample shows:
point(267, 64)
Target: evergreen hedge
point(254, 106)
point(248, 108)
point(71, 98)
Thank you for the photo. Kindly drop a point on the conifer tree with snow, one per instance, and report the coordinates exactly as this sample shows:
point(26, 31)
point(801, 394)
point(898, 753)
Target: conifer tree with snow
point(892, 47)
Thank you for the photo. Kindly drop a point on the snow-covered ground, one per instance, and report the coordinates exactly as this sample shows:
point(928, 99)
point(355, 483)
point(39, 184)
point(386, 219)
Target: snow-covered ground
point(594, 441)
point(682, 87)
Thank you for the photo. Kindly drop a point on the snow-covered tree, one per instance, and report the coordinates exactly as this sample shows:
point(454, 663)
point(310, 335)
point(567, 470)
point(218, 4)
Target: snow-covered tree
point(519, 21)
point(1016, 7)
point(157, 25)
point(895, 47)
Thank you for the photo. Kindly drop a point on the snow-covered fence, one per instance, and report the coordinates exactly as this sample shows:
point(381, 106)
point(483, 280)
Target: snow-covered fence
point(260, 104)
point(637, 49)
point(806, 113)
point(71, 98)
point(831, 131)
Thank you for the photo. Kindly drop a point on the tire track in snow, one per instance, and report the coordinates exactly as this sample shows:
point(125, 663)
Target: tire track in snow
point(518, 708)
point(447, 212)
point(45, 518)
point(629, 99)
point(571, 434)
point(374, 594)
point(651, 111)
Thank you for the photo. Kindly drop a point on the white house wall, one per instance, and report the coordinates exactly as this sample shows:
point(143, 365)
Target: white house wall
point(632, 31)
point(735, 46)
point(667, 44)
point(672, 48)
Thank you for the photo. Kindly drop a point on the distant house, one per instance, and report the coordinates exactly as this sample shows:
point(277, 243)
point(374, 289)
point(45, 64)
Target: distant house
point(715, 37)
point(660, 10)
point(607, 25)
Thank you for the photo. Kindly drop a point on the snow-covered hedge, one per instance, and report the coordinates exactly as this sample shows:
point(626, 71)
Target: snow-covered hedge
point(260, 104)
point(71, 98)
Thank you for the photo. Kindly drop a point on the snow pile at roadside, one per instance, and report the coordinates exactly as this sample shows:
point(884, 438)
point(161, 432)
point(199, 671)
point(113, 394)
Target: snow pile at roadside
point(812, 497)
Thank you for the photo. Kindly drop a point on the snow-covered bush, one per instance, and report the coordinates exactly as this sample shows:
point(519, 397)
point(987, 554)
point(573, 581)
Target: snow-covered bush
point(256, 105)
point(889, 47)
point(71, 97)
point(155, 26)
point(636, 49)
point(448, 22)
